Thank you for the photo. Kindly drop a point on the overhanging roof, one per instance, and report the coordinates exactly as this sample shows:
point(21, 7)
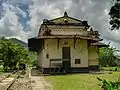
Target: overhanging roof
point(99, 44)
point(35, 44)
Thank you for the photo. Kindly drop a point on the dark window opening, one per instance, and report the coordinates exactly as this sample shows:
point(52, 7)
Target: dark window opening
point(47, 56)
point(77, 61)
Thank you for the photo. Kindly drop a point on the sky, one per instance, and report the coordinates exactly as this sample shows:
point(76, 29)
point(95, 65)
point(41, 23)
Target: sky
point(21, 19)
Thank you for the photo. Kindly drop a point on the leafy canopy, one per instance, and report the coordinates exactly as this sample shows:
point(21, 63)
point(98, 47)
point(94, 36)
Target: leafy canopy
point(107, 56)
point(12, 53)
point(115, 15)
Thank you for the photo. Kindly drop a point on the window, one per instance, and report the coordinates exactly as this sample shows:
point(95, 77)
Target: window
point(47, 56)
point(77, 61)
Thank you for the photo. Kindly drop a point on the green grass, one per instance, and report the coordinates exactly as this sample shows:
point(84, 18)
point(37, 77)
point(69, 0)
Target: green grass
point(111, 68)
point(1, 71)
point(80, 81)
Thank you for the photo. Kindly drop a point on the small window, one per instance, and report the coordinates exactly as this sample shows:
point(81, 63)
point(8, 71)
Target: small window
point(77, 61)
point(47, 56)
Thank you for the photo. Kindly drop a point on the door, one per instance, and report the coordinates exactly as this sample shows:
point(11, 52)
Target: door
point(66, 58)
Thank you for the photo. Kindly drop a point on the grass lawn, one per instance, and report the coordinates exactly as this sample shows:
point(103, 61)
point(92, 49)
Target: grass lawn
point(1, 71)
point(80, 81)
point(111, 68)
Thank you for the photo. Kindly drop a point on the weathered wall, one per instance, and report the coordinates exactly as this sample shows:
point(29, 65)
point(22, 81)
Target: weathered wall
point(40, 58)
point(93, 56)
point(80, 51)
point(67, 30)
point(64, 30)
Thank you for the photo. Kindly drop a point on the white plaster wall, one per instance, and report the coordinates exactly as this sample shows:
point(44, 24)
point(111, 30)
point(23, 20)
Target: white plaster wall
point(92, 55)
point(51, 49)
point(80, 51)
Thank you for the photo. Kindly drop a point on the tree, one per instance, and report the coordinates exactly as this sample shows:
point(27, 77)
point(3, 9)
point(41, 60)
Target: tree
point(115, 15)
point(107, 56)
point(11, 54)
point(32, 58)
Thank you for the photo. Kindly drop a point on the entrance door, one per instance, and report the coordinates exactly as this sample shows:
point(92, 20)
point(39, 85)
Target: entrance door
point(66, 58)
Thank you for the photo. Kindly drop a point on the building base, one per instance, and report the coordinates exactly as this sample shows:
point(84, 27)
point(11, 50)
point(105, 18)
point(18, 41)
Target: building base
point(94, 68)
point(71, 70)
point(79, 70)
point(62, 71)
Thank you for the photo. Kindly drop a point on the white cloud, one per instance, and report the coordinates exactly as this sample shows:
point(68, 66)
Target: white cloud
point(94, 11)
point(38, 12)
point(9, 23)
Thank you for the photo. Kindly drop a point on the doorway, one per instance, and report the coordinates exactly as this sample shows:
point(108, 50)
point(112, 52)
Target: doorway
point(66, 58)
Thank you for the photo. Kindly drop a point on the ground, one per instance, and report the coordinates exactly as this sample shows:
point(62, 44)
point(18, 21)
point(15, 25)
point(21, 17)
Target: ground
point(38, 81)
point(21, 84)
point(80, 81)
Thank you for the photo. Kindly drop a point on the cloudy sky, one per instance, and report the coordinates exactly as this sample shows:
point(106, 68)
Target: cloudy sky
point(22, 18)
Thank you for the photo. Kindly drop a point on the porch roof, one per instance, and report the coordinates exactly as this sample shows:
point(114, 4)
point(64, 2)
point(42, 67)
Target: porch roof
point(99, 44)
point(70, 37)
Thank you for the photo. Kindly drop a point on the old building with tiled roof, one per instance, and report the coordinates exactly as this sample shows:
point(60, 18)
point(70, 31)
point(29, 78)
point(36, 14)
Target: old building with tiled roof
point(66, 44)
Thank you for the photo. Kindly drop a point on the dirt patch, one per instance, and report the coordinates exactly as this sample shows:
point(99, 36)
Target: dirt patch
point(39, 83)
point(21, 84)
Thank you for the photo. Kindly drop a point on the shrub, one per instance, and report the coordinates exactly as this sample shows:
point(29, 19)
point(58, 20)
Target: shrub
point(108, 85)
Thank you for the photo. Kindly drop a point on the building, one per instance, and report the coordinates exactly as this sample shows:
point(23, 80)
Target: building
point(66, 44)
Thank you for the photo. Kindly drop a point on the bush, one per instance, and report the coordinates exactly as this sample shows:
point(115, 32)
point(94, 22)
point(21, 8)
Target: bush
point(108, 85)
point(11, 54)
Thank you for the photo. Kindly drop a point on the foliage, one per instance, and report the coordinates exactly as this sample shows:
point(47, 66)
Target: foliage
point(11, 54)
point(115, 15)
point(107, 56)
point(116, 68)
point(32, 58)
point(108, 85)
point(80, 81)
